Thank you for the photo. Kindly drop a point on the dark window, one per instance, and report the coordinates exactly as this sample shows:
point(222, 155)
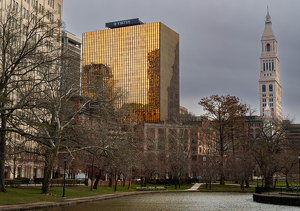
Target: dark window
point(194, 157)
point(271, 88)
point(161, 131)
point(161, 147)
point(264, 88)
point(268, 47)
point(194, 141)
point(150, 131)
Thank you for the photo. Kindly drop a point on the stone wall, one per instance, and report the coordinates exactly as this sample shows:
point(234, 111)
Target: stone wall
point(280, 199)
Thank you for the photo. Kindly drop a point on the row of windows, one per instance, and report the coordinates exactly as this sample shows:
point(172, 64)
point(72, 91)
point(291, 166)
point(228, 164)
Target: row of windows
point(270, 88)
point(265, 100)
point(270, 104)
point(268, 65)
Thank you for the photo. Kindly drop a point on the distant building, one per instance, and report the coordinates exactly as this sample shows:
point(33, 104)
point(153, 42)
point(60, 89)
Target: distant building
point(140, 61)
point(183, 110)
point(293, 133)
point(269, 81)
point(71, 48)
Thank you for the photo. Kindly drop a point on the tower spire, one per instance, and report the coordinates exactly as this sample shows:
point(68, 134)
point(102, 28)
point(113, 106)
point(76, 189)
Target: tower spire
point(268, 17)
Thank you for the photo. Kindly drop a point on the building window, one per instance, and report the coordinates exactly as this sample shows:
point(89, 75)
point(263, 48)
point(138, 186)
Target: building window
point(204, 158)
point(268, 47)
point(271, 88)
point(194, 157)
point(264, 88)
point(161, 131)
point(58, 8)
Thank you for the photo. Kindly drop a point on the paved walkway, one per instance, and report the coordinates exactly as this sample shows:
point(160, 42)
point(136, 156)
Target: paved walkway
point(64, 202)
point(195, 187)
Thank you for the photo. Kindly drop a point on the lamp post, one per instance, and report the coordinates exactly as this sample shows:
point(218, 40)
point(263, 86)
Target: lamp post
point(115, 179)
point(299, 170)
point(64, 188)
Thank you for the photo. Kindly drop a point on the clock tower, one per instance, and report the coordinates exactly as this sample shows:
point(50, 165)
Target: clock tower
point(269, 80)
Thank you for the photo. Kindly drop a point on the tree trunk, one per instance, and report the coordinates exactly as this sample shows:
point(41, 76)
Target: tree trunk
point(2, 151)
point(287, 182)
point(110, 180)
point(268, 181)
point(47, 161)
point(47, 176)
point(222, 177)
point(242, 185)
point(97, 180)
point(247, 183)
point(124, 180)
point(92, 175)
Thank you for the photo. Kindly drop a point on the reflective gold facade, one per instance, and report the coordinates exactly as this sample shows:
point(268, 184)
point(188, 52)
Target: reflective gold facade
point(143, 63)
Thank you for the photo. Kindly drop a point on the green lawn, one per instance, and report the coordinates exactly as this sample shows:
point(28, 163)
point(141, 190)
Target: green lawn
point(33, 194)
point(280, 183)
point(226, 188)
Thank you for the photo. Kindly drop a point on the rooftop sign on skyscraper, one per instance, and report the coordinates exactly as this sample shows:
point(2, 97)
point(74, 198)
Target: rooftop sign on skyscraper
point(123, 23)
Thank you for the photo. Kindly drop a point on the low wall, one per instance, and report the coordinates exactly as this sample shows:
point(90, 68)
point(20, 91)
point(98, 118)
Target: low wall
point(274, 199)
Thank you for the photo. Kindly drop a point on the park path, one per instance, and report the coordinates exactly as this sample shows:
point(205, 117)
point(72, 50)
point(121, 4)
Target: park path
point(195, 187)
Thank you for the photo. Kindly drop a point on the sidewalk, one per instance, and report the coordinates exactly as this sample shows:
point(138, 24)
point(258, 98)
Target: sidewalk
point(73, 201)
point(64, 202)
point(195, 187)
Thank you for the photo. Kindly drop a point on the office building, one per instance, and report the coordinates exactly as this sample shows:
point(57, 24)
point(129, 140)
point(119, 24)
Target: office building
point(269, 81)
point(21, 17)
point(71, 48)
point(140, 61)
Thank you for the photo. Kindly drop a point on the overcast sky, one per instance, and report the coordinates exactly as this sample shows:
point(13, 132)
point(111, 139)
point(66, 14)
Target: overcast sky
point(219, 42)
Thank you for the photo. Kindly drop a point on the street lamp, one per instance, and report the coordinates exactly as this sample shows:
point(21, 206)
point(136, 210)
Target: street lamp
point(115, 179)
point(299, 169)
point(65, 159)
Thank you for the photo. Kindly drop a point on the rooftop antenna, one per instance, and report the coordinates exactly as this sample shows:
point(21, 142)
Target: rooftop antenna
point(268, 9)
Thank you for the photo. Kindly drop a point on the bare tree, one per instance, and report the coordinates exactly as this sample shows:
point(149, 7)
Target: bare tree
point(224, 111)
point(269, 147)
point(28, 45)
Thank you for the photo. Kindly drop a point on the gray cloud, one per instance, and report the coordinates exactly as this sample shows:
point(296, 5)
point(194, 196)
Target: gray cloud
point(219, 42)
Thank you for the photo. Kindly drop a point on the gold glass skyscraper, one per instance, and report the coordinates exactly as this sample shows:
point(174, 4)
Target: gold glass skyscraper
point(142, 63)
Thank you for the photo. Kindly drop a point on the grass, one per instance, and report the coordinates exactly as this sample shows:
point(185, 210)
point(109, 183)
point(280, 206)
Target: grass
point(280, 183)
point(226, 188)
point(31, 194)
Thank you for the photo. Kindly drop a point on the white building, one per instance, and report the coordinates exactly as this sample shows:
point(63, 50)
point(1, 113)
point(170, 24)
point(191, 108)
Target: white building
point(269, 81)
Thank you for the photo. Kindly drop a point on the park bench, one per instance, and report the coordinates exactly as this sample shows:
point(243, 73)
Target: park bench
point(152, 188)
point(290, 189)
